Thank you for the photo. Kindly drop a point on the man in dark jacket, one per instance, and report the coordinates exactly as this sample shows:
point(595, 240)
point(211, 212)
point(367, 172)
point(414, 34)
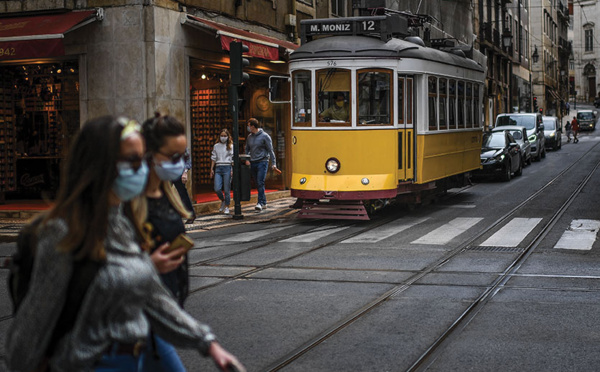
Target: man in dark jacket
point(260, 148)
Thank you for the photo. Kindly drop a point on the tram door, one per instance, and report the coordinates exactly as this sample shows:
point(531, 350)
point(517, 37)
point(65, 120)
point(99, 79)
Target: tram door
point(405, 128)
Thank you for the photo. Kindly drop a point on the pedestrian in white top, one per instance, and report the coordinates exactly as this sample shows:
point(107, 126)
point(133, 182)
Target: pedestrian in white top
point(221, 169)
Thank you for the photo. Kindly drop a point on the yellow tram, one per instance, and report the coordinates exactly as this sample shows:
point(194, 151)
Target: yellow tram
point(377, 115)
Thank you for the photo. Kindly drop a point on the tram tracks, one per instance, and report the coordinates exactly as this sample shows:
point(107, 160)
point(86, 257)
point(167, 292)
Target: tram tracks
point(431, 353)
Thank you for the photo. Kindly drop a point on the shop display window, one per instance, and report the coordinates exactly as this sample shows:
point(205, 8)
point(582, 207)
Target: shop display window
point(39, 115)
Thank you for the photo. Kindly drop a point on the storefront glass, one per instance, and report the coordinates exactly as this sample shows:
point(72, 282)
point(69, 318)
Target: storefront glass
point(39, 116)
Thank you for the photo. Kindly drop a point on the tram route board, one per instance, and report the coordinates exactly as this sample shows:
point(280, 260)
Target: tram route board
point(385, 26)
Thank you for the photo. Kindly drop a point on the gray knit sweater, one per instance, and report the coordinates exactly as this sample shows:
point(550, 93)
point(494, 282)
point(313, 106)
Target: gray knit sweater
point(123, 301)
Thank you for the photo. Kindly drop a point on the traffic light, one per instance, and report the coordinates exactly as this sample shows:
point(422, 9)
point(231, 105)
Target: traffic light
point(237, 62)
point(535, 105)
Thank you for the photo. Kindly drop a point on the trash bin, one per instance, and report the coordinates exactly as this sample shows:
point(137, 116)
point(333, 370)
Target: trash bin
point(244, 178)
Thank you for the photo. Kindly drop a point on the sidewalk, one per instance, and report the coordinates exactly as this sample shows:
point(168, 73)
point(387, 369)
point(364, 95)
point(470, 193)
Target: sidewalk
point(14, 216)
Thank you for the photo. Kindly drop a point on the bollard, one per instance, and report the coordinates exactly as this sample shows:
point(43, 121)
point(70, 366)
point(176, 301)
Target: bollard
point(244, 178)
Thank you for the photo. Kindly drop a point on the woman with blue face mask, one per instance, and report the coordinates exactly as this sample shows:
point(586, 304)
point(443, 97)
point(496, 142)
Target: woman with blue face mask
point(88, 226)
point(163, 212)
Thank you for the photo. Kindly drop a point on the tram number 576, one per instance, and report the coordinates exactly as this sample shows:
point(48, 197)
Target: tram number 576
point(331, 63)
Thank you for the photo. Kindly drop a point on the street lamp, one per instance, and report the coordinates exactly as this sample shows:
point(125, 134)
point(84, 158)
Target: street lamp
point(506, 38)
point(535, 56)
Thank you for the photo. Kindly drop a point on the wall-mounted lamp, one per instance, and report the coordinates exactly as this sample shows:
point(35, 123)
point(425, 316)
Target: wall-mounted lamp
point(535, 56)
point(506, 38)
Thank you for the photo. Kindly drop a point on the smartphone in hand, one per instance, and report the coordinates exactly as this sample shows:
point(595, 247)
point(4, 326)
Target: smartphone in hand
point(182, 240)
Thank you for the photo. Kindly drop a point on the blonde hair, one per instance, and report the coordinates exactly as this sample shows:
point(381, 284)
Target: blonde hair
point(139, 212)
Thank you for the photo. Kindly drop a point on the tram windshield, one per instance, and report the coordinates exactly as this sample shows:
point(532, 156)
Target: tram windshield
point(374, 97)
point(333, 87)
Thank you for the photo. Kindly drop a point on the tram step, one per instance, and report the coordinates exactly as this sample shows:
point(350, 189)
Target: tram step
point(347, 210)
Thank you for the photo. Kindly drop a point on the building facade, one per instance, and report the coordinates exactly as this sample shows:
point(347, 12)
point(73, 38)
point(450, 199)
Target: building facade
point(586, 50)
point(549, 34)
point(87, 58)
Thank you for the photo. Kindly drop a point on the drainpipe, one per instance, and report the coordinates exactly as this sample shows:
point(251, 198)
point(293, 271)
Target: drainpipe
point(295, 27)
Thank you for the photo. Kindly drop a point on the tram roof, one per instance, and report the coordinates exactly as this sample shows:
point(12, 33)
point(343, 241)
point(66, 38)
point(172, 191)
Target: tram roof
point(371, 47)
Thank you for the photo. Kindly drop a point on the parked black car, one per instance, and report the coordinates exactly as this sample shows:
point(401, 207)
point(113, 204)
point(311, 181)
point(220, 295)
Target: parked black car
point(500, 156)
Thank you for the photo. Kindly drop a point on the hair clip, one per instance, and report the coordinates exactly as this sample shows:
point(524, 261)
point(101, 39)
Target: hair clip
point(130, 127)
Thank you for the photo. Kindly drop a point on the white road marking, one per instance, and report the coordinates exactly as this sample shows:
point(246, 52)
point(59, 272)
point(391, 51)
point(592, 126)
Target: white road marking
point(252, 235)
point(383, 232)
point(315, 234)
point(443, 234)
point(581, 235)
point(461, 206)
point(512, 233)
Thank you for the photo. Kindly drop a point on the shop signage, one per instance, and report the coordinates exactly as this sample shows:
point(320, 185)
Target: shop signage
point(38, 36)
point(255, 49)
point(31, 49)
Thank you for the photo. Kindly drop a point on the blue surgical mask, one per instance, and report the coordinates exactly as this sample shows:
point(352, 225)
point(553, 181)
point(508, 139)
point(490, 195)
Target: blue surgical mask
point(129, 182)
point(167, 171)
point(249, 129)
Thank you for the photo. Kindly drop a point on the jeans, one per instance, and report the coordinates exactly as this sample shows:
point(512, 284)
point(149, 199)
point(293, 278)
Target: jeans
point(259, 174)
point(113, 362)
point(223, 182)
point(168, 360)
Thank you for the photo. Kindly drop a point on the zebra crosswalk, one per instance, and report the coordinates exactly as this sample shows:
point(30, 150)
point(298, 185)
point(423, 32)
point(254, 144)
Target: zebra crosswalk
point(580, 235)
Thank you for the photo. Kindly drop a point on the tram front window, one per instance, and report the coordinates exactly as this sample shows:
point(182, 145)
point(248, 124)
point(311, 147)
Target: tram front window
point(374, 97)
point(334, 97)
point(302, 98)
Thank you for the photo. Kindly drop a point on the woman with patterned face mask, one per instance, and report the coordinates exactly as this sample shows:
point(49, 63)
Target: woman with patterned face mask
point(221, 169)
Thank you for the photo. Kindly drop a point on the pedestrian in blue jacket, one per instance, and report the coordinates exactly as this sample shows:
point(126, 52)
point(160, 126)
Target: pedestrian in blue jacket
point(260, 148)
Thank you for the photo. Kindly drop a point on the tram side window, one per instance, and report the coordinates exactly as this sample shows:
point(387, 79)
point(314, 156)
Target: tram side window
point(476, 106)
point(443, 101)
point(432, 92)
point(452, 104)
point(302, 98)
point(409, 101)
point(374, 92)
point(333, 86)
point(469, 105)
point(400, 100)
point(461, 104)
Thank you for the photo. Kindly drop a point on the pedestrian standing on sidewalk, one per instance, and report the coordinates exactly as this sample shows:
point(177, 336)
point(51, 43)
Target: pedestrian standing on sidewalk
point(575, 129)
point(125, 297)
point(181, 189)
point(221, 160)
point(260, 148)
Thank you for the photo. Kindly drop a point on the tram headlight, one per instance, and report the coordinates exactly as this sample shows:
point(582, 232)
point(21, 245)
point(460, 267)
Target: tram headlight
point(302, 180)
point(332, 165)
point(365, 181)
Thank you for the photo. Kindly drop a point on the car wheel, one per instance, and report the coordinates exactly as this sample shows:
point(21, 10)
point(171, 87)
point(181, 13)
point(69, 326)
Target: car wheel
point(519, 170)
point(507, 172)
point(544, 152)
point(539, 156)
point(529, 160)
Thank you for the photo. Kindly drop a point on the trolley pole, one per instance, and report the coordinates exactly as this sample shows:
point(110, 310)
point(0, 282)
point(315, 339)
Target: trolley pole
point(236, 78)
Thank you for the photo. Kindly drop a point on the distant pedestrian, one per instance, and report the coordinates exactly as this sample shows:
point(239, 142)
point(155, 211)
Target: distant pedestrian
point(89, 224)
point(260, 148)
point(568, 130)
point(575, 129)
point(182, 190)
point(221, 169)
point(568, 107)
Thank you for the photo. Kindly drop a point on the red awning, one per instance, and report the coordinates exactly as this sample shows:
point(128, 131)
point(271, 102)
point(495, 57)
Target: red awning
point(40, 36)
point(259, 46)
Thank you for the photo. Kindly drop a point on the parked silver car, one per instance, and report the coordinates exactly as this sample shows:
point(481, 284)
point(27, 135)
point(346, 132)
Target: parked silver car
point(535, 130)
point(552, 132)
point(519, 133)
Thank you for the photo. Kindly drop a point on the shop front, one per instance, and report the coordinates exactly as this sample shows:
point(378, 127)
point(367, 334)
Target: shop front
point(209, 102)
point(39, 102)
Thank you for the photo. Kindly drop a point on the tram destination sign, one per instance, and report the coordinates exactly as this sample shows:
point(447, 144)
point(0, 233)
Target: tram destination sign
point(383, 26)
